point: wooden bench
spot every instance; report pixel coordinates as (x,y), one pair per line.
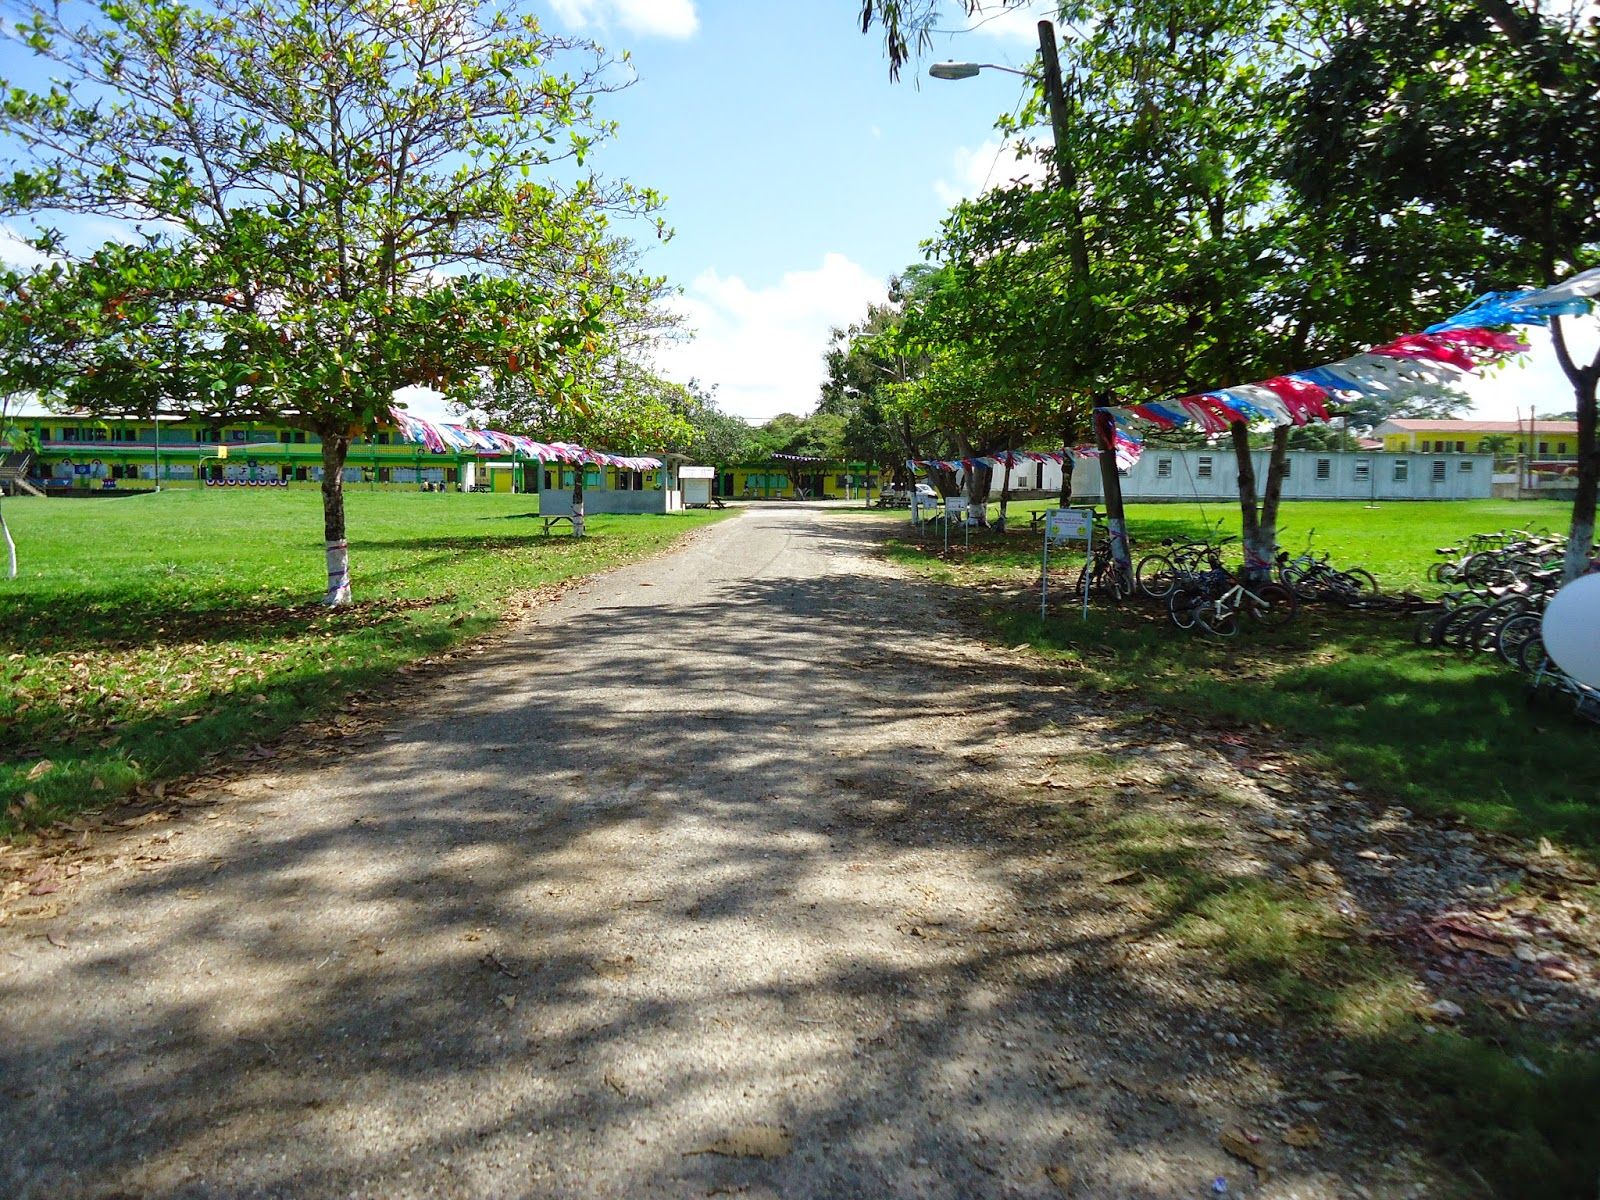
(549,521)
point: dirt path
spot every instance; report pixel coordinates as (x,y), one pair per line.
(721,877)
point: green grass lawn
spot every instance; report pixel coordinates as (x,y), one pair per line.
(148,636)
(1438,731)
(1435,730)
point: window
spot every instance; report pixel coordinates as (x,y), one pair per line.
(1426,445)
(1363,470)
(1465,466)
(1324,468)
(1561,447)
(841,481)
(1203,466)
(1163,468)
(300,437)
(1402,470)
(283,435)
(1438,470)
(1288,466)
(1544,447)
(1461,447)
(237,435)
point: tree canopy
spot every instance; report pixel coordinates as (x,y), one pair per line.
(330,199)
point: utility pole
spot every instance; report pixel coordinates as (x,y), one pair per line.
(1105,427)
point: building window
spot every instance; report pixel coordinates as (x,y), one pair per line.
(1465,465)
(1402,470)
(1461,447)
(1363,470)
(1426,445)
(1324,468)
(237,435)
(1544,447)
(1561,447)
(284,436)
(300,437)
(1163,468)
(1288,466)
(1438,470)
(1203,466)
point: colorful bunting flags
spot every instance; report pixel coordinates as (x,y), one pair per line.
(445,438)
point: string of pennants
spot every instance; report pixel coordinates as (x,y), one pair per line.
(444,438)
(1438,357)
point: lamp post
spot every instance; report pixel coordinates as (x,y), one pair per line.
(1078,246)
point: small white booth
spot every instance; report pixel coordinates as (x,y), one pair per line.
(695,484)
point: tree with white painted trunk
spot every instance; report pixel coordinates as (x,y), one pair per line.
(328,200)
(12,438)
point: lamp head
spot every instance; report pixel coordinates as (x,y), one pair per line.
(953,70)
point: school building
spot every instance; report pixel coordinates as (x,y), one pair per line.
(126,454)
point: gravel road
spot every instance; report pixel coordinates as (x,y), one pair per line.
(701,882)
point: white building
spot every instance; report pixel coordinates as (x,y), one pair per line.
(1209,473)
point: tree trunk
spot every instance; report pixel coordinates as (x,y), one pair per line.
(1005,489)
(1264,553)
(1069,435)
(1258,538)
(1580,537)
(577,501)
(11,547)
(335,449)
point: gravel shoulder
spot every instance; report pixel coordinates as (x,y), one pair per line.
(735,872)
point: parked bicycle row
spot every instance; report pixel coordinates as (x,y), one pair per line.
(1201,592)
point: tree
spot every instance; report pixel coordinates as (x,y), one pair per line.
(335,199)
(15,439)
(1487,112)
(1172,256)
(715,438)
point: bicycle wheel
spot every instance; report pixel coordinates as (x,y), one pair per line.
(1422,631)
(1181,606)
(1156,576)
(1454,625)
(1271,603)
(1531,658)
(1513,633)
(1358,579)
(1116,581)
(1217,619)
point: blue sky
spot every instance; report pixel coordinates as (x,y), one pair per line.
(799,178)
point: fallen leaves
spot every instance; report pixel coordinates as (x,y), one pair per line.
(1247,1147)
(1302,1137)
(750,1141)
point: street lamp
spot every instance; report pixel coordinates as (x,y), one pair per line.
(966,70)
(1056,97)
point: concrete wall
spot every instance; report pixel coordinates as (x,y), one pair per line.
(554,503)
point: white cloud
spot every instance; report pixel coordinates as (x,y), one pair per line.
(1013,22)
(976,169)
(658,18)
(15,251)
(1535,378)
(764,347)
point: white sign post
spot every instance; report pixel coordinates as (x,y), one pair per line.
(955,508)
(1067,525)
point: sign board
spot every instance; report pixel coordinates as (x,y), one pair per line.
(222,452)
(80,468)
(955,506)
(1069,524)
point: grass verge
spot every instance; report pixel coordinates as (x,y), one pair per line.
(1507,1105)
(151,635)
